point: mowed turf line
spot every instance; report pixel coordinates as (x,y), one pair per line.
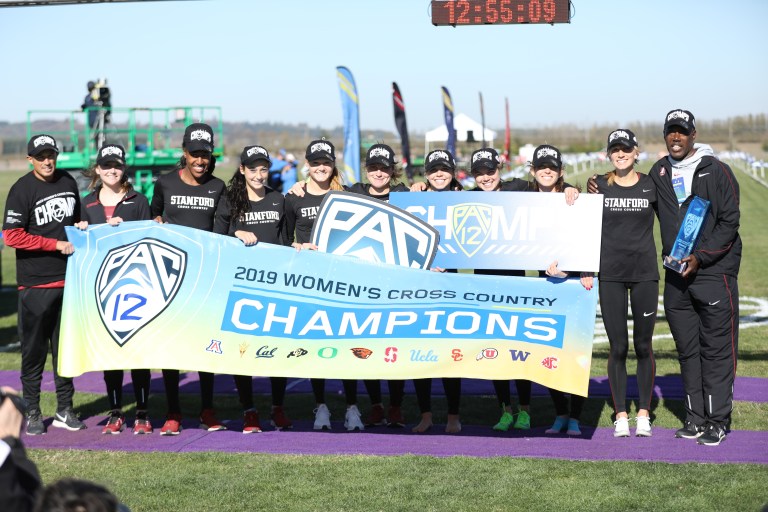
(202,481)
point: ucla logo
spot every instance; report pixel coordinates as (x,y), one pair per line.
(471,225)
(135,283)
(372,230)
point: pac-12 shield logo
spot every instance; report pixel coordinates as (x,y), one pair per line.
(471,226)
(691,223)
(135,283)
(372,230)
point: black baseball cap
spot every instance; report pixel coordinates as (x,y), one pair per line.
(622,137)
(485,158)
(380,154)
(198,137)
(253,154)
(439,157)
(682,118)
(321,148)
(546,154)
(111,153)
(39,143)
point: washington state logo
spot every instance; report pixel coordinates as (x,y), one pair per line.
(135,283)
(471,226)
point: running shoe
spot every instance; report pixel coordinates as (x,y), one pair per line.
(523,421)
(395,417)
(172,425)
(689,431)
(376,417)
(712,436)
(557,427)
(35,423)
(279,420)
(352,419)
(621,427)
(115,423)
(251,422)
(322,418)
(210,422)
(67,419)
(643,426)
(141,424)
(505,422)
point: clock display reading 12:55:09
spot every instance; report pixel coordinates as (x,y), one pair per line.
(493,12)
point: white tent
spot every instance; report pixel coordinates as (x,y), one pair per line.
(464,126)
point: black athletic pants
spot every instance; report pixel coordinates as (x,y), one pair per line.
(703,315)
(39,311)
(505,398)
(114,381)
(171,381)
(350,390)
(396,391)
(244,386)
(452,387)
(644,298)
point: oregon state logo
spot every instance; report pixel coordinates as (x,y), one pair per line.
(362,352)
(471,226)
(135,283)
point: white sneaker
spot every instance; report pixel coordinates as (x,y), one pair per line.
(643,426)
(352,419)
(622,427)
(322,418)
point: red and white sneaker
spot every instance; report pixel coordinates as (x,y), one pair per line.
(376,417)
(279,420)
(115,423)
(172,425)
(210,422)
(395,417)
(251,422)
(142,425)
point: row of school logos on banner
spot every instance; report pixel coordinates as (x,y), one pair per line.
(148,295)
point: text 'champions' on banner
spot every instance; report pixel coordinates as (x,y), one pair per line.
(149,295)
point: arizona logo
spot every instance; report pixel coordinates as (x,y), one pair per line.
(362,353)
(135,283)
(471,226)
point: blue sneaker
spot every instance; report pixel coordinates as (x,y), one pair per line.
(573,427)
(558,426)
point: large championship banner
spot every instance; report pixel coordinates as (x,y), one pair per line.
(510,230)
(149,295)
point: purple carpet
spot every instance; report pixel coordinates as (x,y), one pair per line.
(749,389)
(474,441)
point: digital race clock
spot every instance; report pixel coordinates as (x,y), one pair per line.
(496,12)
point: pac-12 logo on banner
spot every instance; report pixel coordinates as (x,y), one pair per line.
(135,283)
(373,230)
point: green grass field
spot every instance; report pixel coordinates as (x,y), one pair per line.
(223,482)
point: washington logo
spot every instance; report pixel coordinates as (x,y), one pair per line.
(135,283)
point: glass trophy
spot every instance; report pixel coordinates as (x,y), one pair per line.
(688,235)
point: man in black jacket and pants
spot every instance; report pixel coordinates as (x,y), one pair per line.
(702,303)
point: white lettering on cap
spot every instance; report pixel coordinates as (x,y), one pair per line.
(44,139)
(547,152)
(257,149)
(439,154)
(482,154)
(678,114)
(379,152)
(200,135)
(111,150)
(618,134)
(320,146)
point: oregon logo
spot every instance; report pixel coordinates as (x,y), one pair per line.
(135,283)
(471,226)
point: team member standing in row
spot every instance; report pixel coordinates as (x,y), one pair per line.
(38,207)
(113,201)
(188,196)
(300,215)
(254,213)
(627,236)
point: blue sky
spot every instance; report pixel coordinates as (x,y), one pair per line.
(274,60)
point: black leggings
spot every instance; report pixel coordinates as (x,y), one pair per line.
(396,391)
(452,387)
(644,298)
(350,390)
(171,381)
(244,386)
(561,404)
(114,381)
(504,397)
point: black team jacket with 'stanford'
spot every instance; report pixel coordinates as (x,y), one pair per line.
(719,247)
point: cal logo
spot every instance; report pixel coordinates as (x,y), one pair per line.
(471,226)
(372,230)
(135,283)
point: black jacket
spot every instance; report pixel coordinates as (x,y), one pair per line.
(719,247)
(133,206)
